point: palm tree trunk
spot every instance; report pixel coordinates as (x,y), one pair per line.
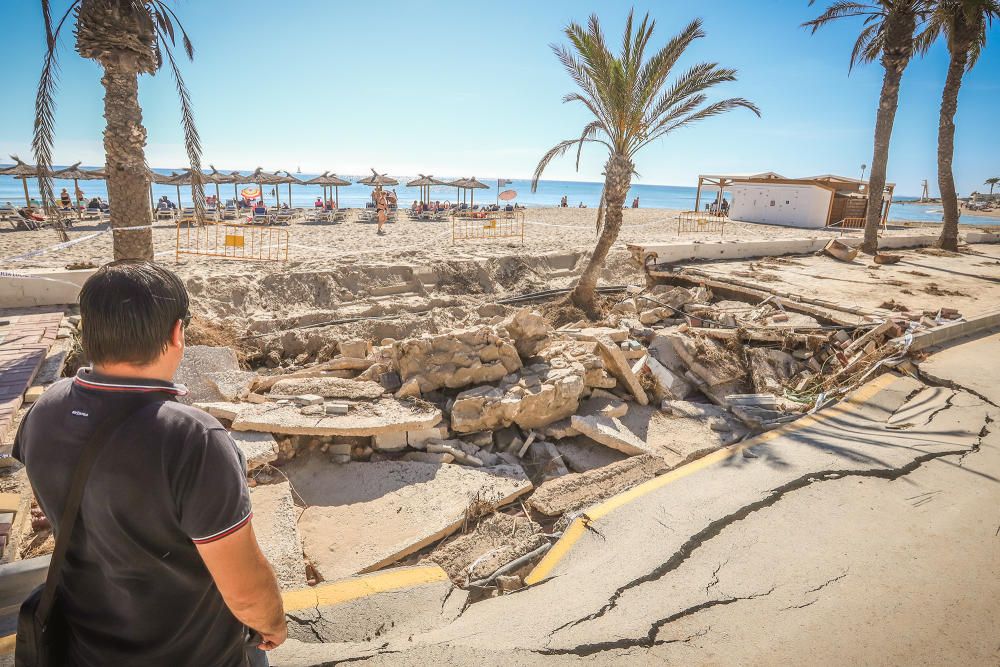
(946,145)
(618,178)
(880,159)
(124,147)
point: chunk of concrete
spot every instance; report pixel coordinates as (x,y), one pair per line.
(274,524)
(328,387)
(611,433)
(258,448)
(392,508)
(529,330)
(429,457)
(667,383)
(616,364)
(581,454)
(384,416)
(543,462)
(603,406)
(357,349)
(456,359)
(580,490)
(221,409)
(198,364)
(232,385)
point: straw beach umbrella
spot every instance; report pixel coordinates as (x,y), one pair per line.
(23,171)
(424,183)
(288,178)
(76,174)
(217,178)
(262,178)
(377,180)
(472,185)
(328,180)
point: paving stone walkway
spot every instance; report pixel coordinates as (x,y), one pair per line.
(25,339)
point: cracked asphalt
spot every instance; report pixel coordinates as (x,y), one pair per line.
(870,536)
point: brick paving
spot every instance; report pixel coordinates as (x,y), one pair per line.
(24,342)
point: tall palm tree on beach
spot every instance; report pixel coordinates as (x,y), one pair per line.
(888,34)
(991,182)
(126,38)
(964,24)
(632,107)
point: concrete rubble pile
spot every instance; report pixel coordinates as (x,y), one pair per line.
(576,414)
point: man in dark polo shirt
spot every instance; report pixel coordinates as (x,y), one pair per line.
(163,567)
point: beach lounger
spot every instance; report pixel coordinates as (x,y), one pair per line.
(260,217)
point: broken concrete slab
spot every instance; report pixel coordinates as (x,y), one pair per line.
(274,524)
(667,384)
(328,387)
(221,409)
(543,461)
(543,394)
(456,359)
(610,432)
(607,405)
(578,491)
(387,415)
(329,623)
(616,364)
(393,508)
(593,334)
(258,448)
(198,363)
(496,540)
(581,454)
(232,385)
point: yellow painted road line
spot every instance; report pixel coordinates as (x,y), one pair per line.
(579,526)
(335,592)
(345,590)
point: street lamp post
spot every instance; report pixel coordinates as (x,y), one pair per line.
(863,167)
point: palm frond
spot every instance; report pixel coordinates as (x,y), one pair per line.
(713,109)
(192,140)
(588,132)
(839,10)
(554,152)
(868,45)
(43,134)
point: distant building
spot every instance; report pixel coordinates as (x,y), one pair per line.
(814,201)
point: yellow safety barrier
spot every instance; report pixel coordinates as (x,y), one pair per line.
(233,241)
(467,226)
(694,221)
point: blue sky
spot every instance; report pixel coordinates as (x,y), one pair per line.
(471,88)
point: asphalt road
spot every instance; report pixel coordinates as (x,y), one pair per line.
(869,535)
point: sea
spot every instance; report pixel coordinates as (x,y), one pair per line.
(548,193)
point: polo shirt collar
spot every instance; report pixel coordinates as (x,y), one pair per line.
(88,378)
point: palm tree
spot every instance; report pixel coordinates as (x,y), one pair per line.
(964,24)
(888,34)
(632,107)
(127,38)
(991,182)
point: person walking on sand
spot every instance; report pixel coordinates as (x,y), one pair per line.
(381,204)
(163,567)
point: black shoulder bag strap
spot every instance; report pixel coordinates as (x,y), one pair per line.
(40,641)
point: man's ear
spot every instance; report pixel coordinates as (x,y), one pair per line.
(177,334)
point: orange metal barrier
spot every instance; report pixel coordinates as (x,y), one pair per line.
(850,223)
(694,221)
(487,225)
(233,241)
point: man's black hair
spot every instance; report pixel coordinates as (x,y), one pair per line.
(127,311)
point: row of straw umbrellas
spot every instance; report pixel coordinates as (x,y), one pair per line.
(259,177)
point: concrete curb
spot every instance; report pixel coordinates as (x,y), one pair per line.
(949,332)
(668,253)
(353,588)
(325,595)
(579,525)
